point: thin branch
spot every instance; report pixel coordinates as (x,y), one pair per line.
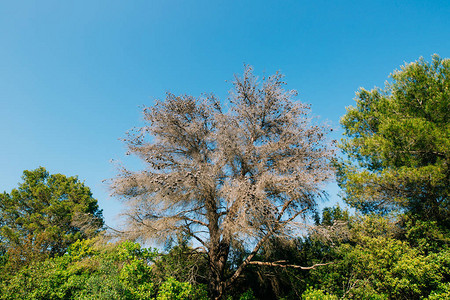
(113,229)
(247,260)
(194,221)
(195,209)
(275,264)
(294,216)
(190,233)
(201,250)
(285,206)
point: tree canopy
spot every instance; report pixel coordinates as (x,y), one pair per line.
(226,179)
(398,141)
(45,214)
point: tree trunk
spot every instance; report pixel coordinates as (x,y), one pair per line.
(218,251)
(218,256)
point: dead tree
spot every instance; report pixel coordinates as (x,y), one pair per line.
(225,177)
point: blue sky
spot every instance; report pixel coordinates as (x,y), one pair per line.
(73,74)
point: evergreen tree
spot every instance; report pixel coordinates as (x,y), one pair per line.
(46,214)
(398,142)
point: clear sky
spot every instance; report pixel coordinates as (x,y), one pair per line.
(73,74)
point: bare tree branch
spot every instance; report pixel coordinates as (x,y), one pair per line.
(274,264)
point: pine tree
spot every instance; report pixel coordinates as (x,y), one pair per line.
(226,179)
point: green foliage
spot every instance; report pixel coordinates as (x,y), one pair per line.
(89,271)
(425,235)
(312,294)
(248,295)
(172,289)
(330,215)
(182,263)
(136,274)
(45,214)
(398,142)
(101,282)
(442,293)
(379,263)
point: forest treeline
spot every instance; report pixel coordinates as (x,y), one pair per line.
(230,192)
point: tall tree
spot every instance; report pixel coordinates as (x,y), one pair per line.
(225,178)
(45,214)
(398,142)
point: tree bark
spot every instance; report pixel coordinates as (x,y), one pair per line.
(218,250)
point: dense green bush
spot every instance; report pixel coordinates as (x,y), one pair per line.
(379,262)
(121,271)
(312,294)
